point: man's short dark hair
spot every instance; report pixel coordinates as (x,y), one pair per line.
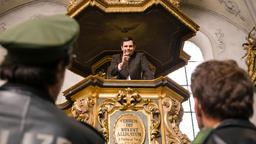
(40,75)
(223,89)
(127,39)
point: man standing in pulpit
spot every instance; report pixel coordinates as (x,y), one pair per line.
(130,65)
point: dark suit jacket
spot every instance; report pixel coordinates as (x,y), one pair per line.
(138,67)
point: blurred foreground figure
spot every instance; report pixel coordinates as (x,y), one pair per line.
(223,95)
(38,52)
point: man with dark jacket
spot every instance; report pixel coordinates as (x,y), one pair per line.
(130,65)
(38,52)
(223,95)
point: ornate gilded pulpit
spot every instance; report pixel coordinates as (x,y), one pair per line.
(129,111)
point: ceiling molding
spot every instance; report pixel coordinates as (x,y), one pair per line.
(7,7)
(196,7)
(252,9)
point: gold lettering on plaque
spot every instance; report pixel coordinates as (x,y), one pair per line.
(129,129)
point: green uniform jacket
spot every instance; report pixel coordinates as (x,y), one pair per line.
(230,131)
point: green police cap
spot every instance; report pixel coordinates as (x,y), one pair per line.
(39,41)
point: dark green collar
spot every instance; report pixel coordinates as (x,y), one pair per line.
(202,136)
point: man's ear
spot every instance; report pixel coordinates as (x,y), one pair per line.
(199,113)
(197,107)
(61,66)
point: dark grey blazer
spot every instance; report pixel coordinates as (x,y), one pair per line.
(138,68)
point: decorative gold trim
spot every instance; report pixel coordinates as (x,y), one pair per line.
(169,5)
(104,109)
(81,110)
(99,81)
(78,8)
(176,3)
(71,5)
(120,2)
(172,114)
(139,125)
(159,107)
(153,109)
(250,56)
(129,99)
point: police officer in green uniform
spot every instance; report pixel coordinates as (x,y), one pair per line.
(38,52)
(223,94)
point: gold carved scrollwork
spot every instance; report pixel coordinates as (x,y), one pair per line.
(153,110)
(129,99)
(176,3)
(123,1)
(250,56)
(125,99)
(173,112)
(71,5)
(105,108)
(82,109)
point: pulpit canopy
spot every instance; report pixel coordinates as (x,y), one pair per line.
(158,27)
